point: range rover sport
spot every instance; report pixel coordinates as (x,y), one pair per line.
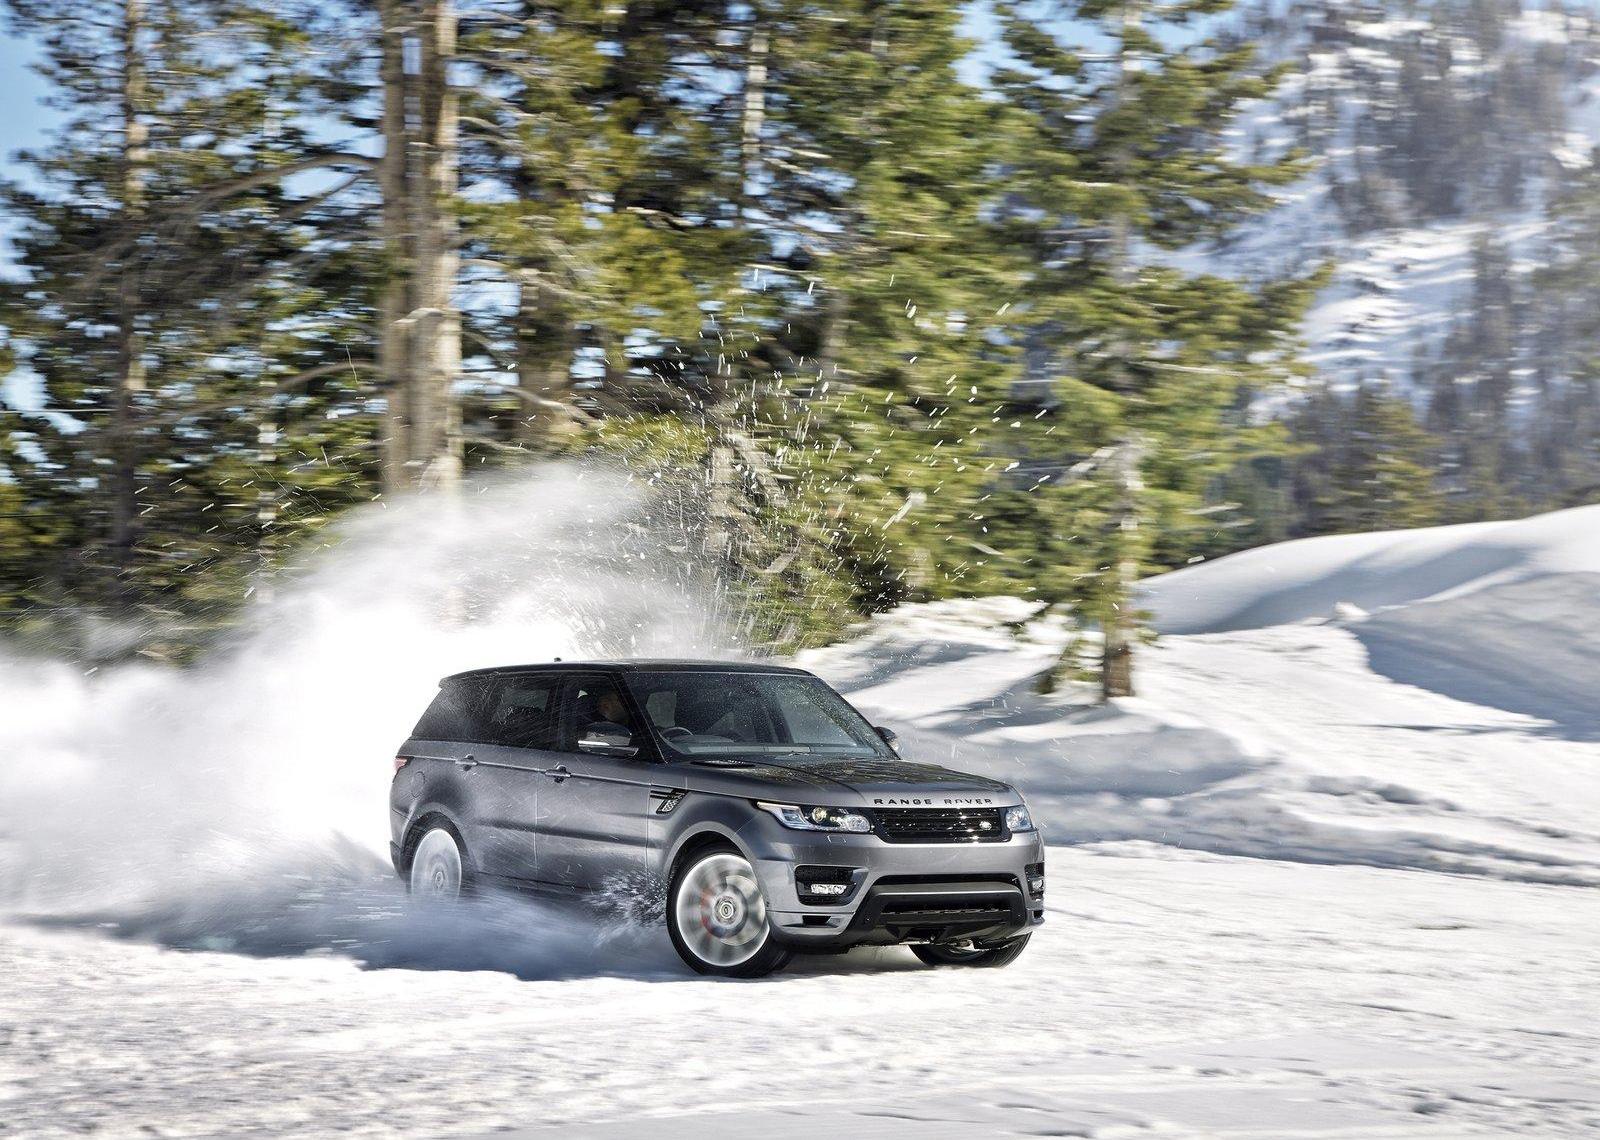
(778,820)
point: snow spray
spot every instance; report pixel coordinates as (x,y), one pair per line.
(242,803)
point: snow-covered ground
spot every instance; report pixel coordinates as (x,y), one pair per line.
(1330,874)
(1164,998)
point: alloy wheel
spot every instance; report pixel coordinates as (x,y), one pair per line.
(720,913)
(436,870)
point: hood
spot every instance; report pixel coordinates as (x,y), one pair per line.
(846,782)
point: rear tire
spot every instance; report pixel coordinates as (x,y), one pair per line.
(989,957)
(439,869)
(717,917)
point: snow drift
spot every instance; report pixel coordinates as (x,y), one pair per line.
(1504,614)
(1419,699)
(1307,579)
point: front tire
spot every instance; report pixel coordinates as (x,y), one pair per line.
(438,867)
(717,917)
(967,954)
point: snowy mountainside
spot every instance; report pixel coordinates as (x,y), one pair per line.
(1429,136)
(1452,729)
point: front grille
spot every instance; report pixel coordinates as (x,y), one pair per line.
(941,825)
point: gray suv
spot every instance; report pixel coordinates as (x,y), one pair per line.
(776,819)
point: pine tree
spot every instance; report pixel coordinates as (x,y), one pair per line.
(781,208)
(163,292)
(601,193)
(1140,373)
(1473,382)
(1565,309)
(1381,475)
(875,297)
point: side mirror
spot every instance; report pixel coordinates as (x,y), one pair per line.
(605,738)
(890,737)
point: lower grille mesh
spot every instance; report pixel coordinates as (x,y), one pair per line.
(941,825)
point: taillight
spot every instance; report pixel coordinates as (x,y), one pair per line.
(400,762)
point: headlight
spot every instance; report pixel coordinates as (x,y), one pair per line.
(1018,819)
(818,818)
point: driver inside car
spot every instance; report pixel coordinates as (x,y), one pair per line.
(610,707)
(607,714)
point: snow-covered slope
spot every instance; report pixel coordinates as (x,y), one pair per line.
(1505,614)
(1453,729)
(1404,253)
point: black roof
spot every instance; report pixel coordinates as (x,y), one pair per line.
(638,665)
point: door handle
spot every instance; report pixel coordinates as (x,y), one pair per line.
(466,763)
(558,773)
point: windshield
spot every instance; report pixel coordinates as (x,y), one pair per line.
(706,714)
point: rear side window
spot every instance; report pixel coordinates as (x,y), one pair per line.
(454,713)
(522,710)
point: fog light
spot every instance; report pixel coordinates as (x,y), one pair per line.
(822,885)
(1036,880)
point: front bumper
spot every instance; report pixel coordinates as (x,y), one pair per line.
(901,892)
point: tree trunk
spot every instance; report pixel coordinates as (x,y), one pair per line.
(394,349)
(420,342)
(123,444)
(1117,626)
(836,307)
(755,110)
(1116,663)
(438,427)
(544,363)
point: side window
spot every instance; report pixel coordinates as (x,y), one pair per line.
(521,711)
(594,703)
(661,707)
(454,713)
